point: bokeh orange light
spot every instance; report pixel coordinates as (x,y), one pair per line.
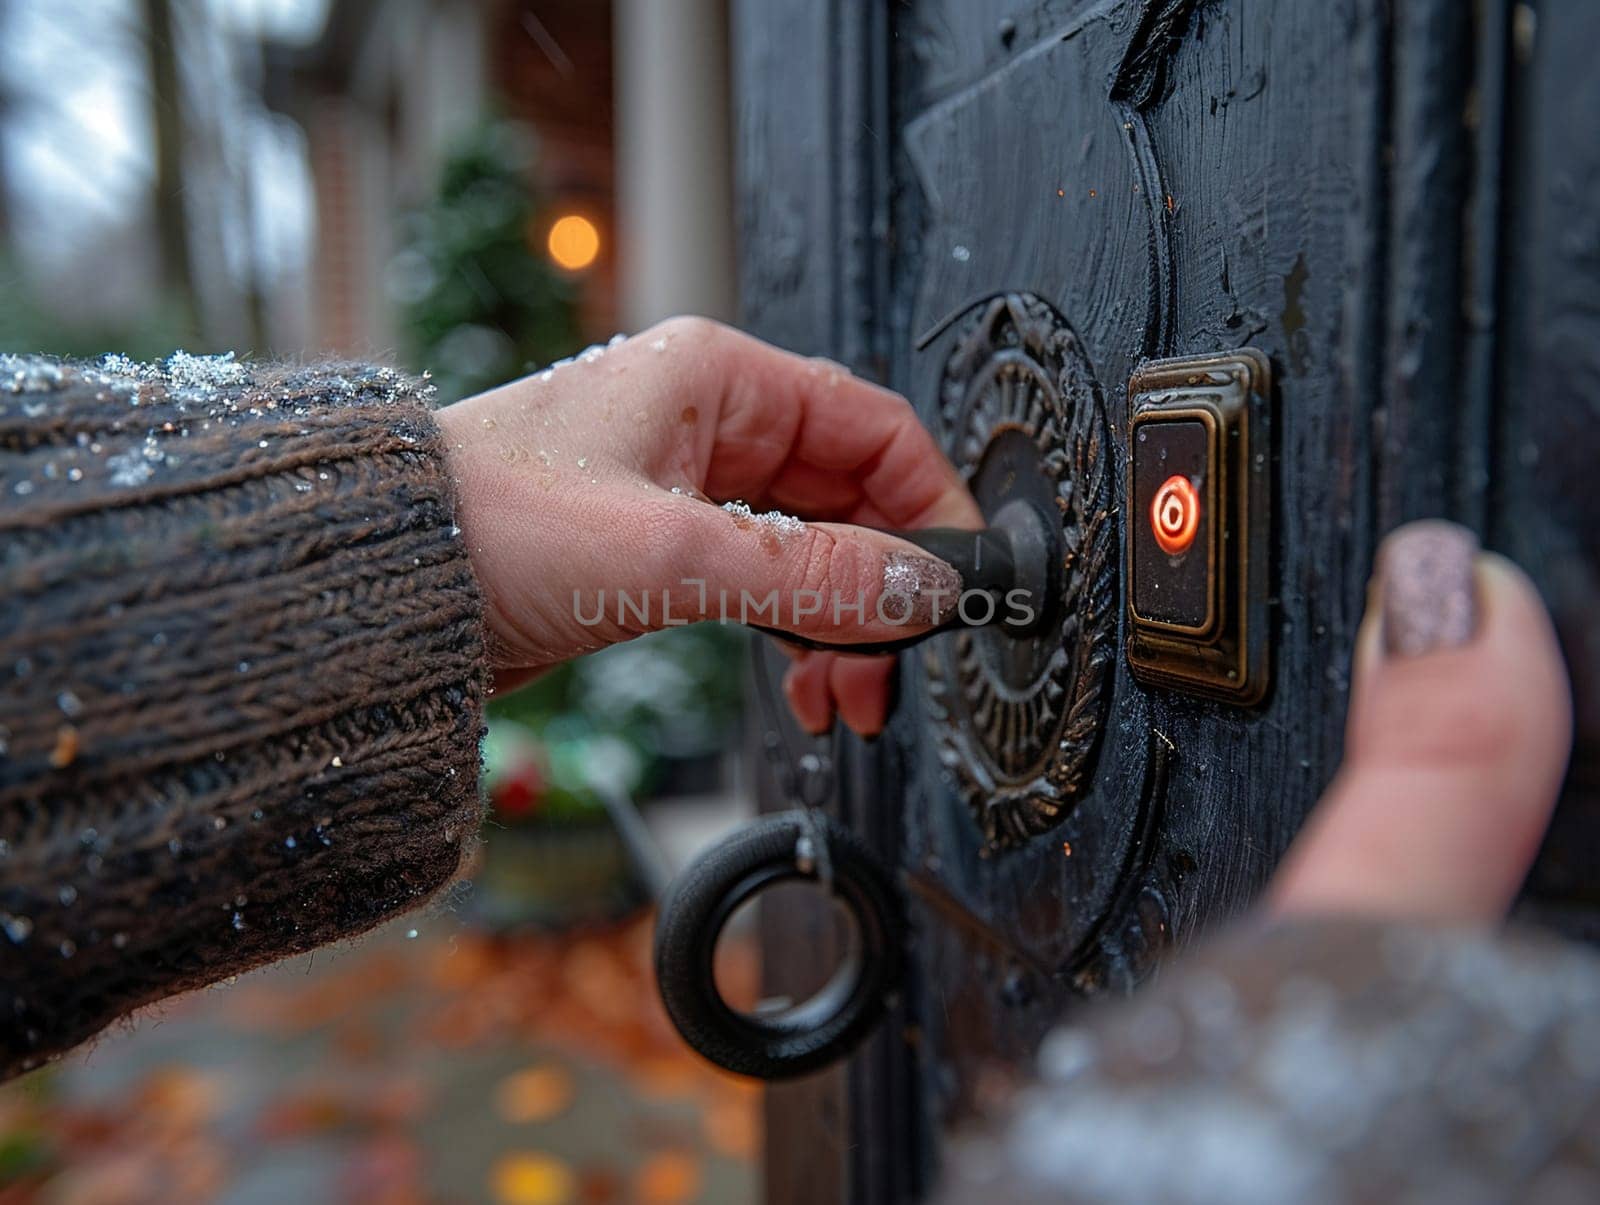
(574,242)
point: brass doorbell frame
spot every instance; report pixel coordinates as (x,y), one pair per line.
(1222,652)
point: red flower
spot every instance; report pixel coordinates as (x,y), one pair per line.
(519,792)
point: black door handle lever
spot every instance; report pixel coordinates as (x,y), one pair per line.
(1011,561)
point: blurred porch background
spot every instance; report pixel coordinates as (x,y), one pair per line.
(240,172)
(473,188)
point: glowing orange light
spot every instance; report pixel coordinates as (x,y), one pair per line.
(1175,515)
(574,242)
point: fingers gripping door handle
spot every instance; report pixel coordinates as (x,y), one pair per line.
(1020,551)
(1011,561)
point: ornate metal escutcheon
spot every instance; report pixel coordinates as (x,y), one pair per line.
(1019,720)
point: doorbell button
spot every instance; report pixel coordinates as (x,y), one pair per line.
(1172,581)
(1175,515)
(1198,501)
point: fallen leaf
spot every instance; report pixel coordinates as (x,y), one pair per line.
(666,1077)
(387,1170)
(599,1186)
(180,1098)
(536,1094)
(668,1179)
(531,1178)
(730,1128)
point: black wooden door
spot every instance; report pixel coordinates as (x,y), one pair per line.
(1002,208)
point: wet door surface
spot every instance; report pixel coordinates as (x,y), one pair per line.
(1004,209)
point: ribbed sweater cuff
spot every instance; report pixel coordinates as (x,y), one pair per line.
(241,676)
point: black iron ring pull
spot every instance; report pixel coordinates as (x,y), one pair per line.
(809,1036)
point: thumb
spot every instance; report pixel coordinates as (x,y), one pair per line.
(1458,735)
(832,582)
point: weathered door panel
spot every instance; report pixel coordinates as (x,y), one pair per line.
(1002,208)
(1134,169)
(1545,370)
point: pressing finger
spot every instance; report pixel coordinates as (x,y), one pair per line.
(1456,743)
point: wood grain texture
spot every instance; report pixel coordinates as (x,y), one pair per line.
(812,200)
(1168,197)
(1396,204)
(1546,512)
(790,286)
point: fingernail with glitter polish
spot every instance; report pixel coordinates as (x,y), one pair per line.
(1430,596)
(931,588)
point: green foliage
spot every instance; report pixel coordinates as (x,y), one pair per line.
(478,304)
(23,1154)
(676,693)
(28,1151)
(26,326)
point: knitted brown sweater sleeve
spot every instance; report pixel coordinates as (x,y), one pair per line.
(241,676)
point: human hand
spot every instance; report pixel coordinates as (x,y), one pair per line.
(1356,1049)
(1458,735)
(601,476)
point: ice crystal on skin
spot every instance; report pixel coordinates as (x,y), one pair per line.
(930,587)
(587,356)
(901,576)
(774,521)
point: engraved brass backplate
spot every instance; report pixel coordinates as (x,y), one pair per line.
(1019,720)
